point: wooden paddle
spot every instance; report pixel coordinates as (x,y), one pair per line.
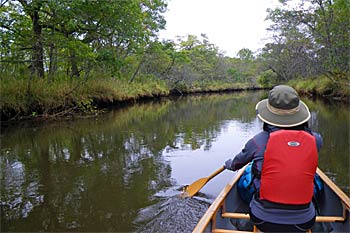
(193,188)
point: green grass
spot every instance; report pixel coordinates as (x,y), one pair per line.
(323,86)
(20,98)
(39,97)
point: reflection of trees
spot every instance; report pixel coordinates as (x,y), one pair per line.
(86,178)
(95,174)
(199,119)
(333,122)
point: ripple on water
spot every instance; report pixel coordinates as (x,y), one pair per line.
(174,214)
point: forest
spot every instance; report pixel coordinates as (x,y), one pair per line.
(63,57)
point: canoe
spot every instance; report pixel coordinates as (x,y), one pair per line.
(228,213)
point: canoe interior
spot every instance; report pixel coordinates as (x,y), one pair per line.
(329,204)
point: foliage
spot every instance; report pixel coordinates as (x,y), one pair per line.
(310,38)
(109,51)
(79,38)
(267,78)
(245,54)
(321,86)
(71,36)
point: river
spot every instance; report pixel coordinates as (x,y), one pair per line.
(123,171)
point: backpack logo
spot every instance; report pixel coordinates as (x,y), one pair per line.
(293,143)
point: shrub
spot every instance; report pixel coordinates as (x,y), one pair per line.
(267,78)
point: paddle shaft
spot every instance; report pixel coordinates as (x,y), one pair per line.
(221,169)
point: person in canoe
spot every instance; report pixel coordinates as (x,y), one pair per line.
(284,159)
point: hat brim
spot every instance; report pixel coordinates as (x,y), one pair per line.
(291,120)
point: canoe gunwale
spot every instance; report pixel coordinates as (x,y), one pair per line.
(342,196)
(218,202)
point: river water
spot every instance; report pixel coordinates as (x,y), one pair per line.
(124,171)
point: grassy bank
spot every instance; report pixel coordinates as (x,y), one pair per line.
(338,89)
(20,99)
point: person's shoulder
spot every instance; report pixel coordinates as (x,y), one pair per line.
(262,134)
(260,138)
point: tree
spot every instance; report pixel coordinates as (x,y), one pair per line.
(309,39)
(198,60)
(74,34)
(267,78)
(245,54)
(31,38)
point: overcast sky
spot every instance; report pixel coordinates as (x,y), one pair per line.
(229,24)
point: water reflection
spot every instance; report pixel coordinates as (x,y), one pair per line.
(333,122)
(106,173)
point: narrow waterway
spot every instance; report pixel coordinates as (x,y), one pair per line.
(123,171)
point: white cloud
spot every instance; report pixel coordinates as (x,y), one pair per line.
(229,24)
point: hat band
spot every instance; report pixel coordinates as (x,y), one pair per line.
(279,111)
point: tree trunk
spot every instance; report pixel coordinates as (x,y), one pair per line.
(166,71)
(53,62)
(327,13)
(137,70)
(72,59)
(74,65)
(38,51)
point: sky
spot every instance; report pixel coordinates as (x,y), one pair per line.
(229,24)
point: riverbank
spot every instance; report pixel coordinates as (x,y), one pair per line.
(39,99)
(325,87)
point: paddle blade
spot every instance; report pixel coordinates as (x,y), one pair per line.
(193,188)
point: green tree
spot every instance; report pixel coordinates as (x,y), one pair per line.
(70,36)
(267,78)
(245,54)
(310,38)
(236,75)
(198,60)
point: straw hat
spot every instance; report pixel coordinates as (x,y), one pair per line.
(283,108)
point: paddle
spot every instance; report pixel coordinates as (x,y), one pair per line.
(193,188)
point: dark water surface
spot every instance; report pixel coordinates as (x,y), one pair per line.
(122,172)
